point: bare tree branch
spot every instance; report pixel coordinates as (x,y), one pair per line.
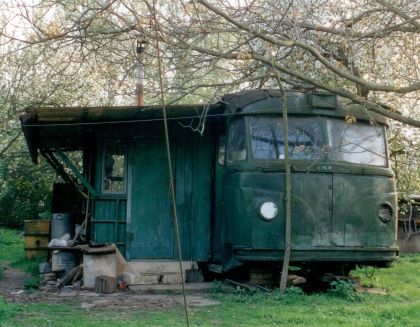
(291,43)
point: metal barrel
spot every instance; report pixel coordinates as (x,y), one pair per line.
(63,260)
(37,233)
(60,225)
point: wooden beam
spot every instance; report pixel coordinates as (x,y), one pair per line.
(76,171)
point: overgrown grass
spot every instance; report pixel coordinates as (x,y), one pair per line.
(402,280)
(7,310)
(12,251)
(11,245)
(399,307)
(235,310)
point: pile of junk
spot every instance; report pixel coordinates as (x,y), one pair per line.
(71,261)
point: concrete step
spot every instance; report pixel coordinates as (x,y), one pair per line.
(158,266)
(177,288)
(149,272)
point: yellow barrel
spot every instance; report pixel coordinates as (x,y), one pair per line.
(37,234)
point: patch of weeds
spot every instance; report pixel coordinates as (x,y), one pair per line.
(292,294)
(241,291)
(294,290)
(217,287)
(367,274)
(11,244)
(32,283)
(245,296)
(344,289)
(30,266)
(412,258)
(7,310)
(242,295)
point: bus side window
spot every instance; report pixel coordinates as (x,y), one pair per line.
(221,150)
(237,145)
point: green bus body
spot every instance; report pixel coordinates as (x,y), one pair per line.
(343,194)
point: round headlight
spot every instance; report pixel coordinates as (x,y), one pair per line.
(385,213)
(268,210)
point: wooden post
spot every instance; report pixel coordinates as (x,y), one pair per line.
(288,193)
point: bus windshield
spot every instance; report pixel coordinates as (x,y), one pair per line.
(267,138)
(356,143)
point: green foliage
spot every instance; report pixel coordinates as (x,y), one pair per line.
(404,144)
(11,245)
(344,289)
(294,290)
(11,251)
(339,307)
(7,310)
(367,275)
(400,307)
(25,188)
(217,287)
(32,283)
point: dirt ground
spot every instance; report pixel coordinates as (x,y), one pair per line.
(123,300)
(12,280)
(12,289)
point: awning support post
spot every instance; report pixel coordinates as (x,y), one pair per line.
(76,171)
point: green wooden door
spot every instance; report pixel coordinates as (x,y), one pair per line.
(152,234)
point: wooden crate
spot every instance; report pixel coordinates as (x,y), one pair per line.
(105,284)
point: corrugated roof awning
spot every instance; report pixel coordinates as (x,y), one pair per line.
(67,127)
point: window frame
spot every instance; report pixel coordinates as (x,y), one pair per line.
(125,167)
(322,134)
(324,158)
(228,143)
(384,139)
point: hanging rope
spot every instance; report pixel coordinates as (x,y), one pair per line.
(168,151)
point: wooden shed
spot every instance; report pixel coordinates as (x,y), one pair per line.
(123,173)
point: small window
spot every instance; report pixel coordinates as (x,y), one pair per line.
(114,167)
(237,141)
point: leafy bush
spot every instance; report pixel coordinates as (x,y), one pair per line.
(367,276)
(25,188)
(344,289)
(32,283)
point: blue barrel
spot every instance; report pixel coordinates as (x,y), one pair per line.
(60,225)
(63,261)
